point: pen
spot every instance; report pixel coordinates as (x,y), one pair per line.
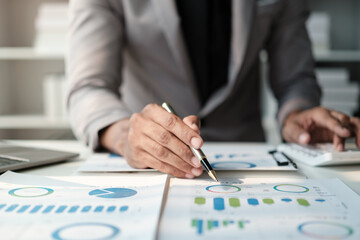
(198,153)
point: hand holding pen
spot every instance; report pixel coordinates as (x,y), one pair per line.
(198,153)
(156,139)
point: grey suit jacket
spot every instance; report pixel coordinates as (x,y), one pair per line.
(124,54)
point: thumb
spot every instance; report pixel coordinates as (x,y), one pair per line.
(295,133)
(193,122)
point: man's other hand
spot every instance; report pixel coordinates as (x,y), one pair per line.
(318,125)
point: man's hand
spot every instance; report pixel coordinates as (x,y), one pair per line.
(157,139)
(321,125)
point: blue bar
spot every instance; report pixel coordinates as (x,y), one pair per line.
(286,200)
(253,201)
(86,209)
(2,206)
(215,223)
(124,208)
(200,226)
(11,208)
(99,208)
(73,209)
(48,209)
(217,156)
(23,208)
(219,204)
(111,209)
(36,209)
(113,155)
(61,209)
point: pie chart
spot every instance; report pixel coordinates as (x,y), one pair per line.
(113,192)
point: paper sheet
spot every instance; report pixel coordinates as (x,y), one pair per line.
(220,158)
(260,209)
(118,208)
(107,162)
(246,160)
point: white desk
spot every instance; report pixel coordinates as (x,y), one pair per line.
(350,175)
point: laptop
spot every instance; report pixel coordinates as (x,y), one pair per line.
(15,157)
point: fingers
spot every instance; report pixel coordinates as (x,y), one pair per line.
(193,122)
(174,125)
(163,137)
(158,157)
(339,143)
(334,121)
(355,123)
(160,140)
(293,132)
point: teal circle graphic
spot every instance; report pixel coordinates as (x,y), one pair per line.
(226,188)
(114,230)
(309,229)
(301,189)
(14,194)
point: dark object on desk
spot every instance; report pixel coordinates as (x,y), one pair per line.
(15,157)
(281,159)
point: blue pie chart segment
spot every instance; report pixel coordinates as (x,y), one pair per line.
(113,192)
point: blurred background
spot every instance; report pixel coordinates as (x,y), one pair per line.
(33,83)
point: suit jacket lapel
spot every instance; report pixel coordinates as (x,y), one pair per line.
(242,20)
(170,23)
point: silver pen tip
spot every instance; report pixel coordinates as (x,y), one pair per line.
(212,174)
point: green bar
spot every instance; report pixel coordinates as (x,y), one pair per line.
(225,223)
(234,202)
(200,200)
(241,224)
(303,202)
(209,225)
(193,222)
(268,201)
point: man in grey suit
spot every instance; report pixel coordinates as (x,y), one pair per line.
(128,56)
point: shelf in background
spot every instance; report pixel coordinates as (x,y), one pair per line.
(27,53)
(32,122)
(338,56)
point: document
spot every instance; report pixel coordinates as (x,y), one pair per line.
(107,208)
(108,162)
(221,157)
(260,209)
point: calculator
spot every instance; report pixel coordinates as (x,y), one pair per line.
(320,154)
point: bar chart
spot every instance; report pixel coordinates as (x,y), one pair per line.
(61,209)
(221,203)
(202,225)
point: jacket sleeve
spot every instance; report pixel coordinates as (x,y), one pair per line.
(291,75)
(94,67)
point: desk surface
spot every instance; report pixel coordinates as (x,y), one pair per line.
(350,175)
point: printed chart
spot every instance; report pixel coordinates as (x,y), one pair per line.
(110,211)
(261,209)
(246,160)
